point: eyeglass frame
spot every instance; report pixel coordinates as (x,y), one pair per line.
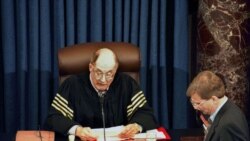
(99,74)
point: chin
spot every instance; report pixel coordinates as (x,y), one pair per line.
(102,88)
(205,113)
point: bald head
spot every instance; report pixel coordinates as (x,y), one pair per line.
(105,59)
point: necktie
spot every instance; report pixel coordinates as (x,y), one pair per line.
(206,125)
(101,93)
(206,132)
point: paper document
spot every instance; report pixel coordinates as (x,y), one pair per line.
(113,132)
(109,132)
(156,135)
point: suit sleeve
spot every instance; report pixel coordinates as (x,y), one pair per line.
(233,132)
(138,110)
(61,113)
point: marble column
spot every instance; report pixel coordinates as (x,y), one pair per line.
(223,44)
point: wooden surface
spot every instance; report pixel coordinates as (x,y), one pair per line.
(35,135)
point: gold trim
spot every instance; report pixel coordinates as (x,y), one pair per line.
(53,105)
(140,92)
(63,108)
(136,98)
(63,104)
(63,99)
(140,104)
(57,108)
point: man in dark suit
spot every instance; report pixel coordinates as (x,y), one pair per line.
(225,121)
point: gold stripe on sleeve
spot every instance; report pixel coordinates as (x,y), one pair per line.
(140,92)
(62,108)
(61,111)
(63,104)
(58,109)
(138,105)
(63,99)
(137,101)
(137,97)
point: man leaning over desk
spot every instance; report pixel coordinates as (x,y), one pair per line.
(222,119)
(76,106)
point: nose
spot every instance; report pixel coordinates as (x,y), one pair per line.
(103,79)
(196,107)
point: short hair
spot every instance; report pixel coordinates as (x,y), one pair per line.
(206,84)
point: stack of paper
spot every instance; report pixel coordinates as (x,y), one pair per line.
(111,135)
(113,132)
(156,135)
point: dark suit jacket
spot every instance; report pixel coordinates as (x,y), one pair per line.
(229,125)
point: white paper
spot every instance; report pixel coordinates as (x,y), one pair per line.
(109,132)
(112,133)
(158,135)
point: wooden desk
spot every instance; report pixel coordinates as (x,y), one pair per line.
(195,134)
(35,135)
(176,135)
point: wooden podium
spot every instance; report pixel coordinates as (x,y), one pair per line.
(35,135)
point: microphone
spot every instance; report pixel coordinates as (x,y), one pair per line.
(101,95)
(40,134)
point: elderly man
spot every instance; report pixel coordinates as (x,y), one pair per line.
(225,122)
(76,107)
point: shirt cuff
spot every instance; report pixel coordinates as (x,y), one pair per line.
(72,130)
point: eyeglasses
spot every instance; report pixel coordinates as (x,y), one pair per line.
(99,75)
(195,104)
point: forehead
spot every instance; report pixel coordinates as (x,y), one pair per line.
(104,69)
(195,97)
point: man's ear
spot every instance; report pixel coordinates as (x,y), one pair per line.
(91,67)
(215,98)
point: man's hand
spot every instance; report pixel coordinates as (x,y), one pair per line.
(85,133)
(130,130)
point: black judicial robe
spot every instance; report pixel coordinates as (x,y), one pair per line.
(77,103)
